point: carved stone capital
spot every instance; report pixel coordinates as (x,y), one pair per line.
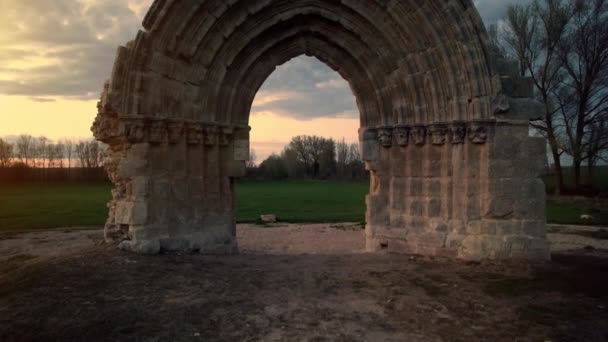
(438,133)
(458,132)
(418,133)
(385,136)
(135,130)
(402,133)
(157,132)
(226,134)
(479,131)
(194,134)
(211,136)
(174,132)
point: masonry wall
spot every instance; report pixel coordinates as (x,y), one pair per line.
(470,200)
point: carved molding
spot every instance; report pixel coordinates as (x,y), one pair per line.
(194,135)
(159,131)
(419,135)
(385,136)
(438,133)
(479,131)
(402,133)
(458,132)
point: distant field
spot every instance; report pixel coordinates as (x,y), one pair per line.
(302,201)
(31,207)
(25,207)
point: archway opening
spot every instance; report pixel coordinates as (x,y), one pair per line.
(305,170)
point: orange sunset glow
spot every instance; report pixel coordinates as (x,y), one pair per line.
(49,83)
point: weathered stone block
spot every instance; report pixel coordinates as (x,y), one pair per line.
(508,227)
(434,207)
(536,229)
(131,213)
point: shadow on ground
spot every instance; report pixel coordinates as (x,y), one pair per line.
(102,294)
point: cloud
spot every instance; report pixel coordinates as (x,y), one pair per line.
(305,88)
(62,48)
(42,99)
(493,10)
(65,48)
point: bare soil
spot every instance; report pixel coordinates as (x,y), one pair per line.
(297,282)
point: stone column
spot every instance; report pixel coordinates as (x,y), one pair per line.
(472,190)
(173,184)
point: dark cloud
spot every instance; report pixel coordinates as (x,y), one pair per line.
(69,44)
(493,10)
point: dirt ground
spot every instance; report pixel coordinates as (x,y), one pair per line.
(298,282)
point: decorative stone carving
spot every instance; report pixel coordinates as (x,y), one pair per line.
(211,136)
(458,132)
(226,135)
(174,132)
(135,131)
(402,134)
(418,134)
(158,132)
(478,131)
(385,136)
(439,133)
(194,134)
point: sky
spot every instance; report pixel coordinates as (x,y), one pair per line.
(56,54)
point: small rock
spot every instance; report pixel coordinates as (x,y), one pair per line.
(125,245)
(269,218)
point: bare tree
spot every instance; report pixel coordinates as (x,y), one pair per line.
(354,154)
(534,34)
(6,153)
(58,153)
(25,147)
(68,151)
(584,95)
(40,152)
(82,153)
(597,146)
(520,35)
(342,154)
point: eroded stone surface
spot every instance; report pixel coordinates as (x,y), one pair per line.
(444,128)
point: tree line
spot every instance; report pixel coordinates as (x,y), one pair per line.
(562,45)
(29,158)
(311,157)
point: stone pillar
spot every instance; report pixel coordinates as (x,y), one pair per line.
(173,183)
(462,189)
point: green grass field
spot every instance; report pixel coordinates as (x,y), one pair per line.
(302,201)
(33,207)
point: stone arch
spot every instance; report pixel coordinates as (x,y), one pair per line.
(444,128)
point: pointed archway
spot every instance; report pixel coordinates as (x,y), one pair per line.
(444,123)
